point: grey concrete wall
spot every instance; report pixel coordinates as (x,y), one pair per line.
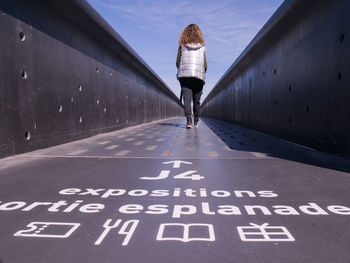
(65,74)
(293,79)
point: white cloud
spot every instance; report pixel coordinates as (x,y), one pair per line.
(228,27)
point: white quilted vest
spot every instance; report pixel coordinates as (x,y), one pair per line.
(192,62)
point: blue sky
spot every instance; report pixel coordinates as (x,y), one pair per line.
(152,29)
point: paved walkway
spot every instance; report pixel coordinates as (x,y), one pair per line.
(160,193)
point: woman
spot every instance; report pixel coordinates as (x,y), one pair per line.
(192,65)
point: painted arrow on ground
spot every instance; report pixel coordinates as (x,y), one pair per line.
(177,163)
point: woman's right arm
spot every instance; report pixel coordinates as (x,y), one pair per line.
(178,57)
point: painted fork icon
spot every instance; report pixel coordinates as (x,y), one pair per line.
(108,227)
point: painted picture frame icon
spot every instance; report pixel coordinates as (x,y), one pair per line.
(48,230)
(264,233)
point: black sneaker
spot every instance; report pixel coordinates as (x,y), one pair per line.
(188,126)
(196,123)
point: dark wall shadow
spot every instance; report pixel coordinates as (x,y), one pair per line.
(243,139)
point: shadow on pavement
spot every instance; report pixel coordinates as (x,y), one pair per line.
(243,139)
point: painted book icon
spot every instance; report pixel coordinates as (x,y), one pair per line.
(186,232)
(48,229)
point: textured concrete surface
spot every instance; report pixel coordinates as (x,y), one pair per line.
(67,75)
(292,79)
(160,193)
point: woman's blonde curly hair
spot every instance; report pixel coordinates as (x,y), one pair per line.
(191,34)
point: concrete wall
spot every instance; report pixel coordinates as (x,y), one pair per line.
(65,74)
(293,80)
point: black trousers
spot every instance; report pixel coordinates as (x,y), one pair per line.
(191,90)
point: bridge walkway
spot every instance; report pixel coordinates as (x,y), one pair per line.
(158,192)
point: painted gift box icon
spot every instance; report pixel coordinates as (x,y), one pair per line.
(264,233)
(48,229)
(186,232)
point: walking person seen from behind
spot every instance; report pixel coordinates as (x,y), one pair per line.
(192,65)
